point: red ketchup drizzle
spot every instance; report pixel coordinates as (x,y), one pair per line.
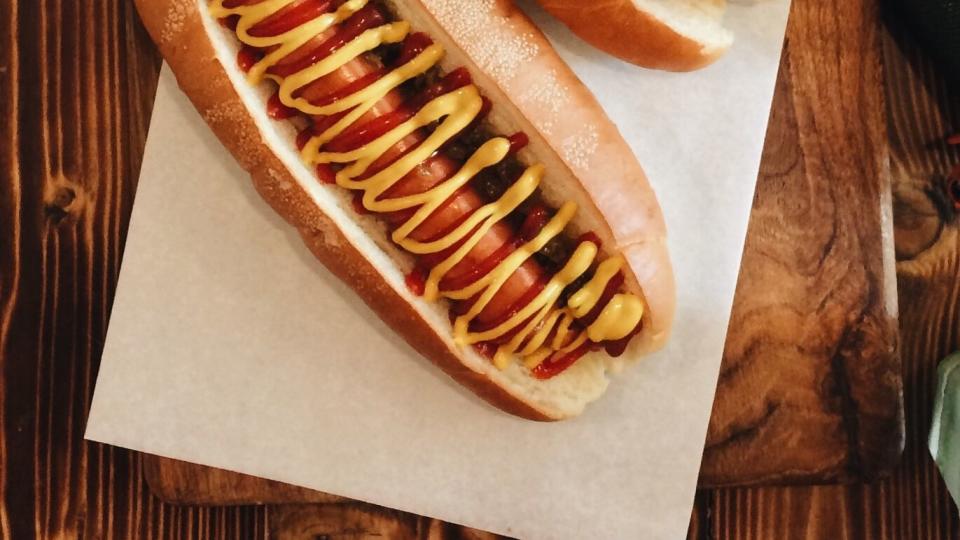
(357,136)
(616,348)
(396,218)
(463,306)
(485,349)
(417,281)
(524,300)
(429,260)
(323,123)
(230,22)
(291,17)
(454,223)
(304,137)
(479,270)
(277,110)
(358,203)
(611,289)
(365,19)
(413,45)
(536,220)
(485,108)
(558,363)
(592,238)
(327,174)
(518,141)
(248,57)
(350,89)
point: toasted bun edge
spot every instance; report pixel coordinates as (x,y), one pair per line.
(620,28)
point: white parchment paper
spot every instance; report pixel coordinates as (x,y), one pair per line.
(230,346)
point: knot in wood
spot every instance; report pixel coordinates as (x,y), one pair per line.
(61,200)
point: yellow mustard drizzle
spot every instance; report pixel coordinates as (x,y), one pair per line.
(454,111)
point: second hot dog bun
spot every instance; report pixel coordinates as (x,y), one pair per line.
(675,35)
(587,160)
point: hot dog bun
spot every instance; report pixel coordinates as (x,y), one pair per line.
(675,35)
(587,160)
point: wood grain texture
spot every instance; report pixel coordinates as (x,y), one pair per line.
(822,187)
(76,87)
(357,521)
(811,368)
(180,482)
(912,504)
(811,365)
(290,514)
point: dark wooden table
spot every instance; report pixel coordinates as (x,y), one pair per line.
(76,89)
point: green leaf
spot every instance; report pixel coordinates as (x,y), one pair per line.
(945,432)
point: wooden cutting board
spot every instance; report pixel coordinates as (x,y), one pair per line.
(810,388)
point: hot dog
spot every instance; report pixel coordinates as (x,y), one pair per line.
(503,228)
